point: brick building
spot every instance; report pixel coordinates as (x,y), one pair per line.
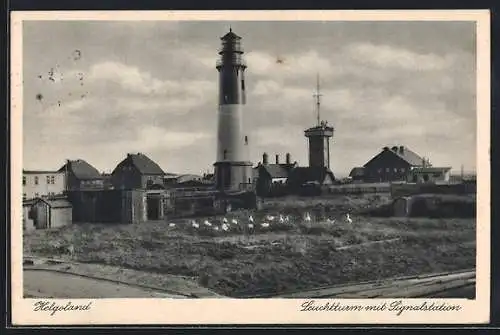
(137,171)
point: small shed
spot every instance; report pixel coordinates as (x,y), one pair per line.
(28,223)
(52,213)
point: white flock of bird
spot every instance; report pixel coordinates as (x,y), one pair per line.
(226,224)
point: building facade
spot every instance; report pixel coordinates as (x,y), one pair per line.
(429,174)
(272,179)
(401,164)
(137,171)
(80,175)
(42,183)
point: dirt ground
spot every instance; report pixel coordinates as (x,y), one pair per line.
(284,256)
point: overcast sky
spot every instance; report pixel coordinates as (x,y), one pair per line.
(151,87)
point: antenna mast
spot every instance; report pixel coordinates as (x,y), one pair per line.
(317,95)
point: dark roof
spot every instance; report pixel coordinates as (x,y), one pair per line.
(81,169)
(407,155)
(142,163)
(55,203)
(302,175)
(357,172)
(276,170)
(230,36)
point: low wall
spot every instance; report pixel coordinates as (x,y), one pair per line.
(404,190)
(435,206)
(358,188)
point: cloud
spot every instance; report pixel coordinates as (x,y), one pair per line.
(153,88)
(385,56)
(306,63)
(134,80)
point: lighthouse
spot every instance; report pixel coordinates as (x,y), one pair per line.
(233,170)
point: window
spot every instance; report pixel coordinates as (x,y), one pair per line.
(402,170)
(48,179)
(395,170)
(24,196)
(242,84)
(52,180)
(36,180)
(387,170)
(36,194)
(24,180)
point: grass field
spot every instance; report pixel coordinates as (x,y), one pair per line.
(283,257)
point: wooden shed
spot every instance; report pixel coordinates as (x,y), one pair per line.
(28,223)
(52,213)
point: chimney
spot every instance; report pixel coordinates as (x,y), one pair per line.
(277,159)
(423,161)
(395,149)
(264,159)
(385,148)
(402,150)
(288,159)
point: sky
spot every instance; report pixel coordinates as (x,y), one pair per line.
(97,90)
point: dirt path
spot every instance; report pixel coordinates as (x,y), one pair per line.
(44,283)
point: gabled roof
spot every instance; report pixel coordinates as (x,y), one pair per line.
(142,163)
(81,169)
(55,203)
(406,154)
(357,172)
(302,175)
(276,170)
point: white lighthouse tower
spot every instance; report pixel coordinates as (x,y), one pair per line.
(233,170)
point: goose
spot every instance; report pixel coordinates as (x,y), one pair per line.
(171,224)
(250,219)
(330,220)
(282,219)
(224,220)
(194,224)
(234,221)
(264,225)
(206,223)
(225,227)
(270,217)
(307,217)
(348,218)
(250,225)
(216,228)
